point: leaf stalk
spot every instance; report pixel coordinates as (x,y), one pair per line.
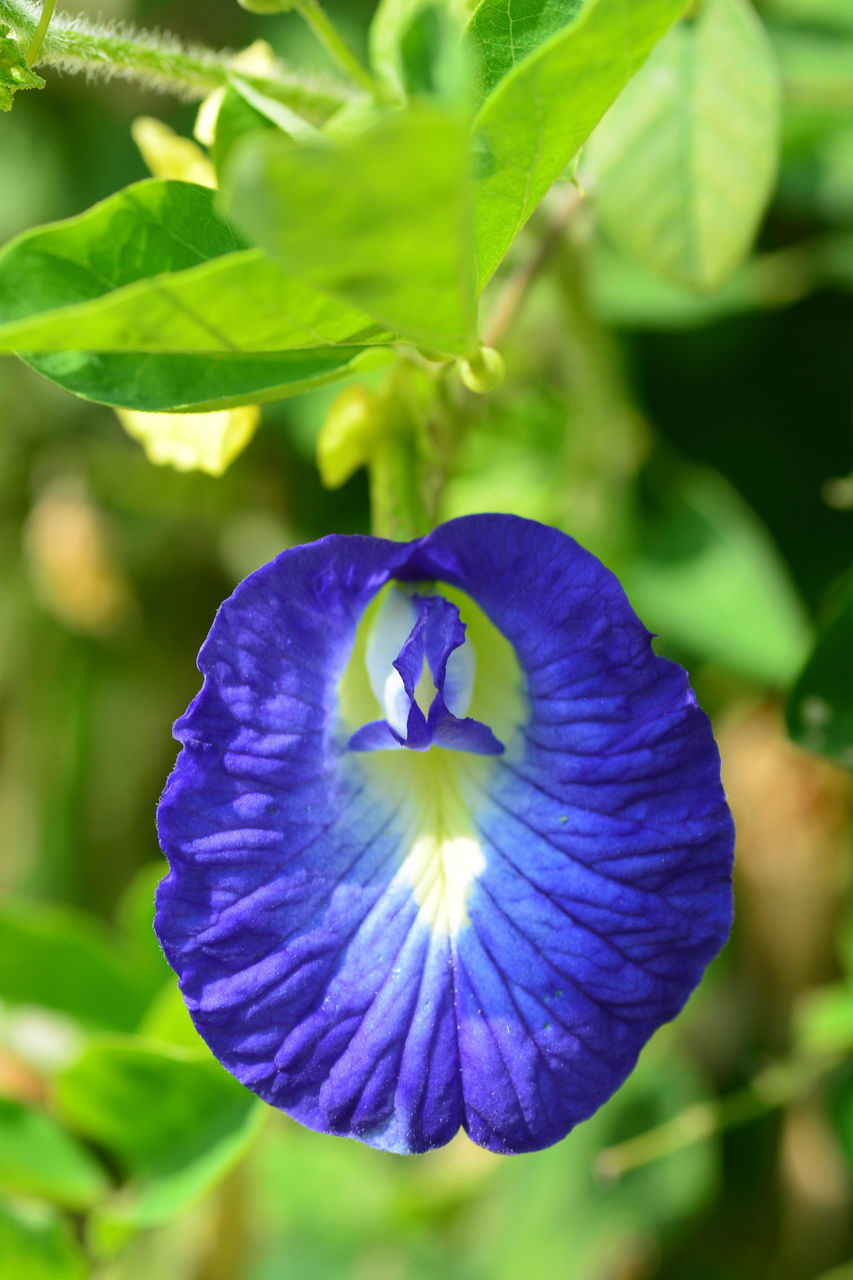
(337,48)
(41,31)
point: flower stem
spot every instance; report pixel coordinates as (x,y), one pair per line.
(41,31)
(520,283)
(159,61)
(337,48)
(773,1087)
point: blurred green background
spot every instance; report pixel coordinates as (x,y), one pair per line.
(703,447)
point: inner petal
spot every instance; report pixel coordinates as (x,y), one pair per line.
(391,629)
(414,665)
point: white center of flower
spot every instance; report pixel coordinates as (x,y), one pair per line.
(442,851)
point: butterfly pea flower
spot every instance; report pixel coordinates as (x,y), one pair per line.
(447,839)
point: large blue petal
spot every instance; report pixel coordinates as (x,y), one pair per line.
(323,950)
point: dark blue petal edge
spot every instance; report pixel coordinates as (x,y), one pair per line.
(389,944)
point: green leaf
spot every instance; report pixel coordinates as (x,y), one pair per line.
(35,1244)
(820,707)
(194,384)
(240,303)
(40,1159)
(380,221)
(174,1120)
(156,269)
(683,164)
(708,578)
(533,123)
(15,73)
(66,961)
(505,32)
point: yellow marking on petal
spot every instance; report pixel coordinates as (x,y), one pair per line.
(443,870)
(441,852)
(193,441)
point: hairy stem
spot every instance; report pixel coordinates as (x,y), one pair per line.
(160,61)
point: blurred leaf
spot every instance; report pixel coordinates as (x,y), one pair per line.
(819,13)
(400,33)
(323,1203)
(533,123)
(135,919)
(174,1120)
(15,72)
(708,577)
(38,1158)
(505,32)
(276,113)
(417,49)
(200,384)
(36,1245)
(824,1019)
(168,1021)
(844,1272)
(64,960)
(591,1225)
(380,221)
(628,294)
(683,164)
(820,707)
(155,268)
(234,120)
(840,1100)
(817,74)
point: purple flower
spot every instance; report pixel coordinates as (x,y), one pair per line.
(424,877)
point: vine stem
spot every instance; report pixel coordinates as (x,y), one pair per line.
(775,1086)
(329,36)
(159,60)
(41,31)
(519,284)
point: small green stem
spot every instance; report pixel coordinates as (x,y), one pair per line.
(160,61)
(399,470)
(395,507)
(773,1087)
(518,286)
(340,52)
(41,31)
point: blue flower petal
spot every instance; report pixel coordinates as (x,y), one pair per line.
(393,944)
